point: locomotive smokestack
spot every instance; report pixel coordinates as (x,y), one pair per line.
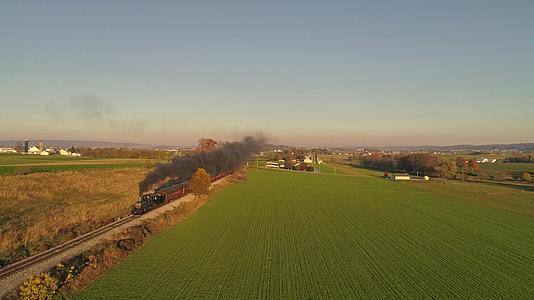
(225,158)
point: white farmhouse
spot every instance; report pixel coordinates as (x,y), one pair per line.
(44,153)
(34,150)
(64,152)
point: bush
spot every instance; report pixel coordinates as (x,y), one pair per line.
(41,286)
(200,182)
(527,177)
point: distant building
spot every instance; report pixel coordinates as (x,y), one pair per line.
(64,152)
(7,150)
(400,176)
(26,146)
(34,150)
(51,151)
(272,165)
(44,153)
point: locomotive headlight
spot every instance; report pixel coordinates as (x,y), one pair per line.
(138,205)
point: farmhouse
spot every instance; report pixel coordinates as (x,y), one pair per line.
(44,153)
(64,152)
(34,150)
(7,150)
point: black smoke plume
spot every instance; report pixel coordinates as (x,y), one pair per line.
(226,157)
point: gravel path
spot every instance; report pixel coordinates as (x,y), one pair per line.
(11,282)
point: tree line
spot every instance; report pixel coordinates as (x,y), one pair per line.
(520,158)
(126,153)
(421,163)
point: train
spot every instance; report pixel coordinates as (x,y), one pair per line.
(166,194)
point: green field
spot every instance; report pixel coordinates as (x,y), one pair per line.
(16,159)
(344,169)
(17,163)
(300,235)
(510,167)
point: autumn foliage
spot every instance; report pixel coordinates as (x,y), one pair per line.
(474,166)
(206,144)
(200,182)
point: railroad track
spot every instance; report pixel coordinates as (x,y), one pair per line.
(9,274)
(43,256)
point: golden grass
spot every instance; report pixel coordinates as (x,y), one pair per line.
(41,210)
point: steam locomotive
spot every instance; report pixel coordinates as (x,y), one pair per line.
(166,194)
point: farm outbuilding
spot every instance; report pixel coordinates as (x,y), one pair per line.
(401,176)
(7,150)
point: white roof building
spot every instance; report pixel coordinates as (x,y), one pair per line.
(64,152)
(7,150)
(34,150)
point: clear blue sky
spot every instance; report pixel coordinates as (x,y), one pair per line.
(308,73)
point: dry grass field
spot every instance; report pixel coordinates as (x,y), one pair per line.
(41,210)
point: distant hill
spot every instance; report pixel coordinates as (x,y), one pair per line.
(461,148)
(83,144)
(449,148)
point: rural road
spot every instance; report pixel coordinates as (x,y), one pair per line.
(14,280)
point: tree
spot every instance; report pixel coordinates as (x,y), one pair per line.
(446,169)
(423,163)
(200,182)
(474,166)
(206,144)
(19,147)
(527,177)
(461,162)
(288,164)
